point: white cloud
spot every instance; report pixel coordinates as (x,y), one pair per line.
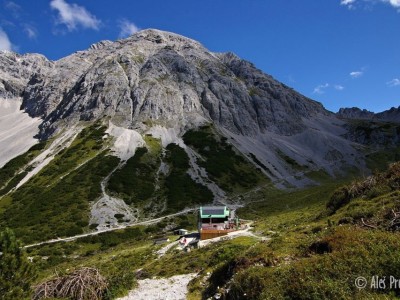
(127,28)
(394,3)
(320,88)
(339,87)
(347,2)
(393,82)
(73,15)
(356,74)
(30,31)
(12,6)
(5,43)
(350,3)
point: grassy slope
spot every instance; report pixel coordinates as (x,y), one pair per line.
(46,207)
(310,256)
(118,254)
(55,202)
(317,253)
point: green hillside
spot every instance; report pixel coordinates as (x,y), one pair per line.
(309,243)
(313,251)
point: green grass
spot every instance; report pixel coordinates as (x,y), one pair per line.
(379,160)
(230,170)
(4,203)
(135,181)
(320,176)
(39,213)
(46,207)
(314,254)
(344,254)
(117,254)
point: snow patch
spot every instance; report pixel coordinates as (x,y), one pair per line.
(17,130)
(174,287)
(126,141)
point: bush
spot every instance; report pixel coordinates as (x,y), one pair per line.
(371,187)
(182,190)
(134,182)
(16,273)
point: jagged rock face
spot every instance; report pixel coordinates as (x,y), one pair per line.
(354,113)
(16,71)
(374,133)
(391,115)
(155,75)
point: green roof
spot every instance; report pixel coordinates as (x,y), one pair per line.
(214,212)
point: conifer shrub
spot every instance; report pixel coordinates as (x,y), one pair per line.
(16,272)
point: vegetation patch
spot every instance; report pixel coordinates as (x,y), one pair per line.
(224,165)
(182,191)
(14,170)
(373,132)
(325,276)
(290,161)
(371,187)
(48,207)
(135,181)
(379,160)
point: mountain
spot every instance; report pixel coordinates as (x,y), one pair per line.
(162,76)
(153,124)
(390,115)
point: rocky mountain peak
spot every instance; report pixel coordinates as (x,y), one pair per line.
(157,75)
(355,113)
(100,45)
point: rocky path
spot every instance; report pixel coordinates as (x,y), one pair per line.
(75,237)
(173,288)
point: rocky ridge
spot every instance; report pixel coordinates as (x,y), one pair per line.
(390,115)
(157,78)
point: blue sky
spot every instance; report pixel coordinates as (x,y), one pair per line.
(342,53)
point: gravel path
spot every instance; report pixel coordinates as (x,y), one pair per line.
(173,288)
(75,237)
